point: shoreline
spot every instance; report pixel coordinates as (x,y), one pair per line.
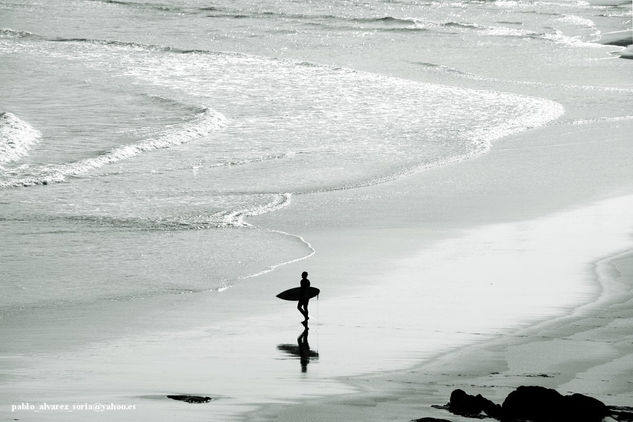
(373,395)
(586,329)
(348,261)
(368,243)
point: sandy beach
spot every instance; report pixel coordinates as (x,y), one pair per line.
(580,343)
(488,246)
(588,350)
(457,179)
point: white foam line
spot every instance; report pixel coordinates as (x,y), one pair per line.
(482,140)
(292,261)
(601,119)
(224,287)
(198,128)
(238,221)
(236,218)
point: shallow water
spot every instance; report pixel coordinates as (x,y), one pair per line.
(138,137)
(129,117)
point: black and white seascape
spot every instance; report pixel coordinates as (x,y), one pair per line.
(449,172)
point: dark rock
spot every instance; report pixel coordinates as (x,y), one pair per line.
(472,406)
(532,403)
(430,420)
(579,407)
(540,404)
(189,399)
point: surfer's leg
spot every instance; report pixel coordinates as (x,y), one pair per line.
(302,307)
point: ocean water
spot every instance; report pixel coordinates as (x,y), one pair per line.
(137,137)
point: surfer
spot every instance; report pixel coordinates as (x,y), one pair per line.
(301,294)
(304,298)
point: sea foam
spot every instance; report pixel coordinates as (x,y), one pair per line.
(201,126)
(16,137)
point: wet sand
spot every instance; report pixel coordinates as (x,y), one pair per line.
(499,252)
(540,231)
(589,350)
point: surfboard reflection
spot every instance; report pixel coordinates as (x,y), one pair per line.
(301,350)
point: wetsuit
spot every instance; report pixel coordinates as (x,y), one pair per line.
(303,298)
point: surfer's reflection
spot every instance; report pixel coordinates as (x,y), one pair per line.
(301,350)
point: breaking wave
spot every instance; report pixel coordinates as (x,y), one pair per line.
(203,125)
(16,137)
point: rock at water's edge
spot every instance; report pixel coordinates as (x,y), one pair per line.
(189,399)
(472,406)
(540,404)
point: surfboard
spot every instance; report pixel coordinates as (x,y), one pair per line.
(293,294)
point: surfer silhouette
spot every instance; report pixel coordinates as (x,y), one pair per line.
(304,298)
(301,294)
